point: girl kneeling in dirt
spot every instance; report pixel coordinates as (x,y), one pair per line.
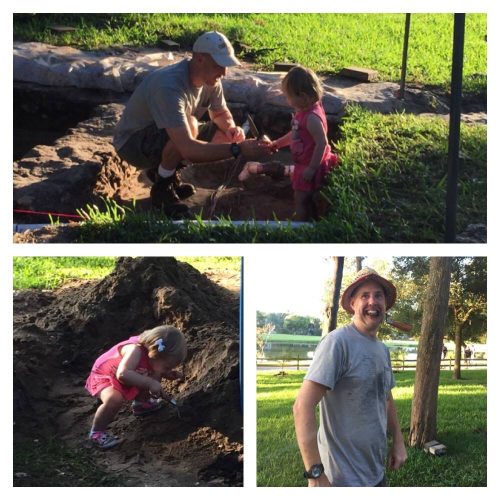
(132,370)
(312,155)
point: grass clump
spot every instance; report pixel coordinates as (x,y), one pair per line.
(461,424)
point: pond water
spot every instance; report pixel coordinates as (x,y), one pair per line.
(284,351)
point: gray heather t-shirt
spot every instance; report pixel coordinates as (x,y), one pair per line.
(352,437)
(166,97)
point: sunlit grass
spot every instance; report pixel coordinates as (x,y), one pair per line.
(461,421)
(325,42)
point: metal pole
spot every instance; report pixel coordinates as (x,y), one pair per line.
(241,337)
(454,131)
(405,57)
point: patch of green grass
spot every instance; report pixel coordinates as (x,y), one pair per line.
(394,172)
(51,272)
(461,423)
(325,42)
(45,462)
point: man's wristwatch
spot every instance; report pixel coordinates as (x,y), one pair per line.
(235,149)
(314,472)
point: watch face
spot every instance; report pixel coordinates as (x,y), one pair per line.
(317,470)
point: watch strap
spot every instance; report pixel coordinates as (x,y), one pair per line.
(235,149)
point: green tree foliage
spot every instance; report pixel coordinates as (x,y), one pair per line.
(302,325)
(292,324)
(467,304)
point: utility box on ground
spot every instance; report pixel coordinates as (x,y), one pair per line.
(435,448)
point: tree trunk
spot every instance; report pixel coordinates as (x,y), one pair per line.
(359,263)
(424,406)
(332,309)
(457,373)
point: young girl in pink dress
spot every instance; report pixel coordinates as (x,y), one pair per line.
(312,155)
(132,370)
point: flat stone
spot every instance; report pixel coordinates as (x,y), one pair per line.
(169,45)
(361,74)
(283,66)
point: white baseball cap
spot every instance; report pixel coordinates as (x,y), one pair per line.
(218,46)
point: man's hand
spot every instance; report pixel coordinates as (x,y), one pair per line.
(322,481)
(397,456)
(235,134)
(255,149)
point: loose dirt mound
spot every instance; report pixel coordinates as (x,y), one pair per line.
(58,335)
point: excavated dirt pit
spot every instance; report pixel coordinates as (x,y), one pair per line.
(65,160)
(57,337)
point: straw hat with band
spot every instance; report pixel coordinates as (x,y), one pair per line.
(368,274)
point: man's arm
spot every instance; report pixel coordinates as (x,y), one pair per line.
(306,427)
(225,122)
(198,151)
(397,453)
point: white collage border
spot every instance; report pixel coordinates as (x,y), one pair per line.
(252,253)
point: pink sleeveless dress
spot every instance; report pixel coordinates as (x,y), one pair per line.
(103,373)
(302,147)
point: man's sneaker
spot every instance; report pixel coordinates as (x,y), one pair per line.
(103,440)
(164,198)
(141,408)
(182,189)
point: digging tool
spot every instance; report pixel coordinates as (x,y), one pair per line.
(183,413)
(252,127)
(405,327)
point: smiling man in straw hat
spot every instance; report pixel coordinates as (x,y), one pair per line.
(351,379)
(161,126)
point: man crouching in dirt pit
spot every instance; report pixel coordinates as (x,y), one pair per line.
(132,370)
(160,125)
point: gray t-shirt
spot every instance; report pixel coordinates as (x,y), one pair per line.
(165,98)
(352,436)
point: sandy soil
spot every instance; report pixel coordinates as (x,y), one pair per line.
(58,335)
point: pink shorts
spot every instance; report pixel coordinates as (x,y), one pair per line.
(96,382)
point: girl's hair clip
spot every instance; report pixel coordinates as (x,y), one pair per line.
(161,346)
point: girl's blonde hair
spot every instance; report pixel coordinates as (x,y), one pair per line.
(300,80)
(165,342)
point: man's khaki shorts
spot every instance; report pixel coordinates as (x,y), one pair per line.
(143,149)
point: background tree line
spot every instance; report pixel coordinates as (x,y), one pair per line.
(292,324)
